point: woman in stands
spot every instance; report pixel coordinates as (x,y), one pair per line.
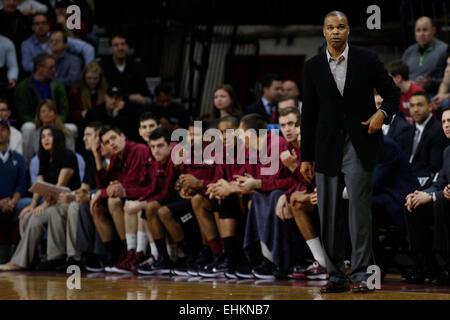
(225,104)
(59,166)
(47,115)
(88,92)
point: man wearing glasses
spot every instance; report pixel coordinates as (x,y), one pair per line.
(39,42)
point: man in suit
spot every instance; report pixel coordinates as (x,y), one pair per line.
(341,132)
(267,105)
(397,130)
(431,207)
(425,141)
(393,179)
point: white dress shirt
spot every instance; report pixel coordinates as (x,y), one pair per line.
(419,130)
(338,67)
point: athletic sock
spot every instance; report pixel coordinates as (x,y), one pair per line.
(216,246)
(142,242)
(162,248)
(230,248)
(131,239)
(316,249)
(109,247)
(154,250)
(123,246)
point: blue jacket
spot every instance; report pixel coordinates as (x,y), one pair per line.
(394,175)
(31,47)
(13,176)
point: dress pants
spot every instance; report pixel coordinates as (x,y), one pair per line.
(88,240)
(428,229)
(32,228)
(62,231)
(332,218)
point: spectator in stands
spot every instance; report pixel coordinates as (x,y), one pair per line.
(13,186)
(39,43)
(68,66)
(15,138)
(9,70)
(426,141)
(266,106)
(89,92)
(444,89)
(125,173)
(399,71)
(62,240)
(13,24)
(58,165)
(47,115)
(171,114)
(225,104)
(427,57)
(398,129)
(290,88)
(114,111)
(431,207)
(31,91)
(124,72)
(86,23)
(287,101)
(89,243)
(30,7)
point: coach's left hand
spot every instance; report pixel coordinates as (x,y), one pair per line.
(375,122)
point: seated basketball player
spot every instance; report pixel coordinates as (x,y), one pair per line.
(136,234)
(116,184)
(299,200)
(206,210)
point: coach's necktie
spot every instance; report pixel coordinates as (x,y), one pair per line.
(415,144)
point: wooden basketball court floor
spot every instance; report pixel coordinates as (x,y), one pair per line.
(103,286)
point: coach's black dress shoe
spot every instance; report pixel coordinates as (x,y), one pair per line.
(336,287)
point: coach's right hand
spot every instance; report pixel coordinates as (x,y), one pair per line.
(306,169)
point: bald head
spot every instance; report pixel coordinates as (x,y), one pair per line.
(424,32)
